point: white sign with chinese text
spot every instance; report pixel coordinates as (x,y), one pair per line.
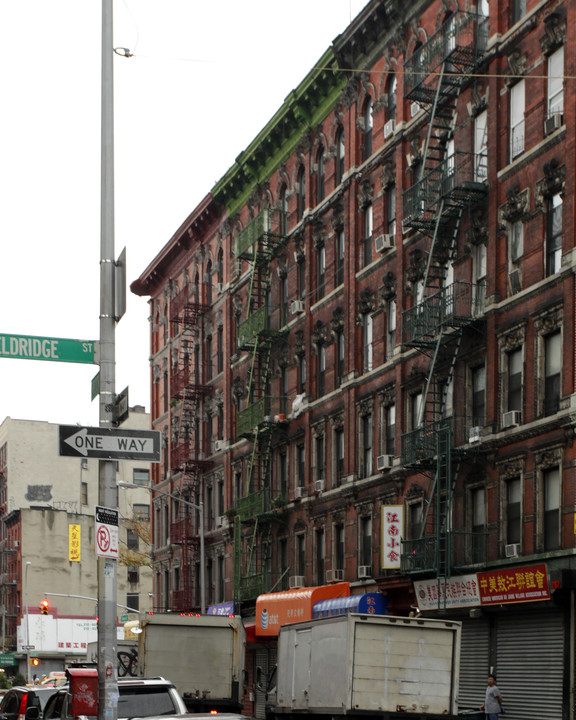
(392,524)
(459,591)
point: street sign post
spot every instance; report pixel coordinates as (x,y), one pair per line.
(109,444)
(27,347)
(106,532)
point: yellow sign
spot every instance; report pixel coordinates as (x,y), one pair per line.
(74,545)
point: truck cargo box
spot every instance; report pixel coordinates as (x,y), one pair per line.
(365,663)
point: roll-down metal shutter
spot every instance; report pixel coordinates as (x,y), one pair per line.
(265,658)
(474,663)
(530,664)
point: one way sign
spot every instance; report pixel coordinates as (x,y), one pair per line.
(109,444)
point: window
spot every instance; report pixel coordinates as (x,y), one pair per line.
(340,155)
(283,559)
(391,99)
(300,466)
(552,368)
(367,343)
(481,146)
(390,437)
(132,574)
(301,192)
(209,508)
(301,555)
(321,265)
(209,357)
(320,462)
(140,476)
(479,269)
(390,327)
(367,244)
(414,520)
(556,83)
(208,283)
(513,511)
(391,210)
(320,557)
(220,267)
(141,511)
(283,210)
(478,498)
(133,601)
(301,374)
(221,579)
(283,300)
(339,547)
(339,277)
(320,175)
(84,493)
(340,354)
(220,349)
(283,466)
(367,450)
(551,493)
(321,370)
(517,105)
(478,395)
(131,540)
(339,453)
(416,414)
(368,125)
(515,380)
(220,498)
(553,234)
(518,10)
(301,278)
(366,541)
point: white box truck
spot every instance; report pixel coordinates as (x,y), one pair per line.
(365,664)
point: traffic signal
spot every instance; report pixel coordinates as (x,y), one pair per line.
(34,662)
(44,607)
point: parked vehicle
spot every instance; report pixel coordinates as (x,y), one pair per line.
(203,655)
(19,699)
(356,664)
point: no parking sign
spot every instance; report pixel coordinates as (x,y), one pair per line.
(106,532)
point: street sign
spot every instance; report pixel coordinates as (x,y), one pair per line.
(121,408)
(27,347)
(8,659)
(28,647)
(109,444)
(106,532)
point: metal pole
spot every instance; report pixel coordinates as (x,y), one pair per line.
(107,494)
(28,563)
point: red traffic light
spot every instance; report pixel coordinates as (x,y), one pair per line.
(44,607)
(34,662)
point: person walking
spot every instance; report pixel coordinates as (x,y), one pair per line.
(492,705)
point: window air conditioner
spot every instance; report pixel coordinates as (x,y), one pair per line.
(220,445)
(334,575)
(383,242)
(512,550)
(350,478)
(511,418)
(552,123)
(414,109)
(296,581)
(384,462)
(299,493)
(389,128)
(297,307)
(475,434)
(364,571)
(319,486)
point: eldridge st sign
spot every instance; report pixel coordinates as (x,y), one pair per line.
(27,347)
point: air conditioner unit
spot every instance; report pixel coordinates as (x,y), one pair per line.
(512,550)
(297,307)
(334,575)
(319,486)
(219,288)
(220,445)
(552,123)
(474,434)
(221,521)
(299,493)
(296,581)
(350,478)
(511,418)
(384,462)
(389,128)
(364,571)
(383,242)
(414,109)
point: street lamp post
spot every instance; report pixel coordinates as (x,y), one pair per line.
(200,508)
(28,563)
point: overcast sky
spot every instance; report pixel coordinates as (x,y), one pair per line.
(205,78)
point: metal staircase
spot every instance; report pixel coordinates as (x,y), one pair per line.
(446,186)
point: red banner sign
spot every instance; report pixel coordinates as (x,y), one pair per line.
(513,585)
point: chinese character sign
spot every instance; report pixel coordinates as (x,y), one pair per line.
(509,585)
(74,543)
(392,529)
(453,592)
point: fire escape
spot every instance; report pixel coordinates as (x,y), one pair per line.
(448,184)
(258,243)
(187,389)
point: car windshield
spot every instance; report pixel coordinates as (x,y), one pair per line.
(142,702)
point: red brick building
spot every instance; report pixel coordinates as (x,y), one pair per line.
(362,341)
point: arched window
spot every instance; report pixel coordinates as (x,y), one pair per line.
(340,155)
(368,124)
(301,191)
(320,174)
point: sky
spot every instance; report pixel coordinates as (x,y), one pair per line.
(204,78)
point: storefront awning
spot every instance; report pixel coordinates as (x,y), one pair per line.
(370,603)
(276,609)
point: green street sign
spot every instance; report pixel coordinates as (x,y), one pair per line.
(27,347)
(7,659)
(123,618)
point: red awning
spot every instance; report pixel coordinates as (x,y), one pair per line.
(290,606)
